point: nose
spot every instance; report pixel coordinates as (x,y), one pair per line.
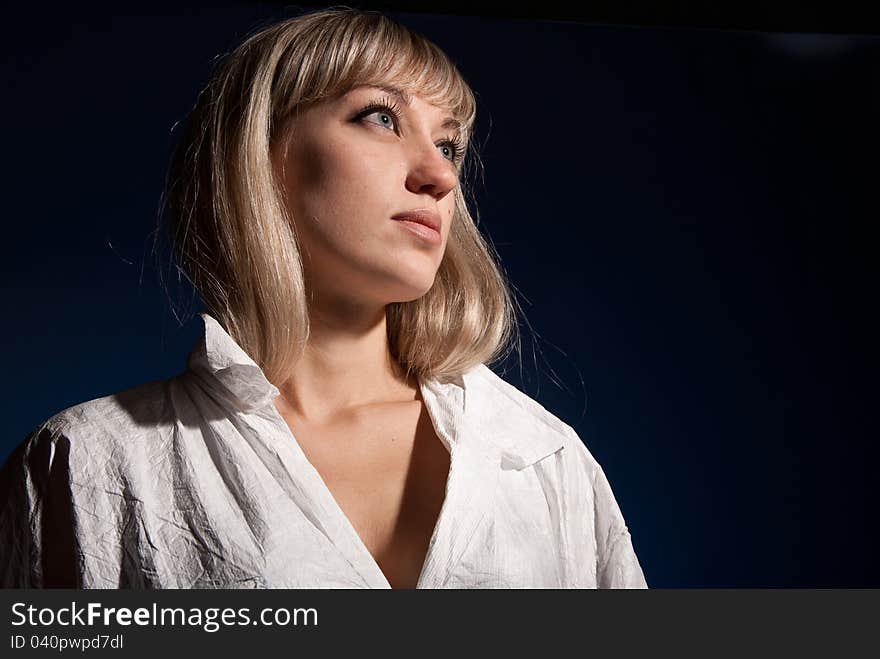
(429,172)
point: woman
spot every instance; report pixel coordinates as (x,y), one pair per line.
(337,426)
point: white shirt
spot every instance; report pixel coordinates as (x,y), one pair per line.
(197,482)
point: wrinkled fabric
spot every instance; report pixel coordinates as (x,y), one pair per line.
(197,482)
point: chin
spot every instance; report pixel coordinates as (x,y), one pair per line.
(413,292)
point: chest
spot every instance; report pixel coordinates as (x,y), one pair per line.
(388,472)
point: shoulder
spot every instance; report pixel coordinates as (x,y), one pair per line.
(107,427)
(525,430)
(534,437)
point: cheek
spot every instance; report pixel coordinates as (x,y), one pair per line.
(337,178)
(447,210)
(314,169)
(340,192)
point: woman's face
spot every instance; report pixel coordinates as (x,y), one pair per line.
(348,168)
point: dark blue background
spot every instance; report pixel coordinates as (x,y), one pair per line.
(684,213)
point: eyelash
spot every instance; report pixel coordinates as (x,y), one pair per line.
(389,107)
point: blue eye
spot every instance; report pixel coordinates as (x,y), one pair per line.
(388,115)
(456,144)
(390,112)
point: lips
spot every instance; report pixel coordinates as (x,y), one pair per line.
(421,216)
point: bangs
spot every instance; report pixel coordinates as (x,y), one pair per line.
(373,50)
(417,68)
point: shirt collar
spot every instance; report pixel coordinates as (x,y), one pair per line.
(522,430)
(227,370)
(504,422)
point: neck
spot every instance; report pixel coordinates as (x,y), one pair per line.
(346,365)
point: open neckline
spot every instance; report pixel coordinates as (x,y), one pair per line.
(473,478)
(335,516)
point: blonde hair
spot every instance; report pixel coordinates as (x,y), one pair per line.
(228,225)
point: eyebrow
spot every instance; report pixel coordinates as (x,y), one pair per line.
(406,99)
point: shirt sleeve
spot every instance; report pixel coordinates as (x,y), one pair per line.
(37,540)
(616,562)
